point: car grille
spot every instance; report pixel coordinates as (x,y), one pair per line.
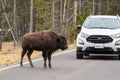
(99,39)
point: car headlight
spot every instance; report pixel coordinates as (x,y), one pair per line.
(80,42)
(84,35)
(116,35)
(117,42)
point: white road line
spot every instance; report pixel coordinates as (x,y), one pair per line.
(60,53)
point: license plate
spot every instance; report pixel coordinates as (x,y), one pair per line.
(99,46)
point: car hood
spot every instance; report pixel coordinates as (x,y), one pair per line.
(100,31)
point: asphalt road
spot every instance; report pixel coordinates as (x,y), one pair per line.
(67,67)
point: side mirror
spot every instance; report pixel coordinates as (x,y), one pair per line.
(78,27)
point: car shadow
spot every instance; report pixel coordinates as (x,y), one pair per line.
(101,57)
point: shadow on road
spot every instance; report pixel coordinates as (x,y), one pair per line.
(101,57)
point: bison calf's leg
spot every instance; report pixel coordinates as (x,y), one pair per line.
(44,54)
(29,57)
(49,58)
(22,55)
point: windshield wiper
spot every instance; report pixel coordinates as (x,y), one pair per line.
(99,27)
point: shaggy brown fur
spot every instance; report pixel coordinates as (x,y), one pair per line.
(46,41)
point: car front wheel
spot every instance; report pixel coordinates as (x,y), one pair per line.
(79,55)
(119,57)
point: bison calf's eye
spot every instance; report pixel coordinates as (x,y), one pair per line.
(41,39)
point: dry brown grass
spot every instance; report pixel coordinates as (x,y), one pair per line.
(9,55)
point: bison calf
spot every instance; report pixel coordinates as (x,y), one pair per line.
(46,41)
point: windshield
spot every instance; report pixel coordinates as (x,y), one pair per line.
(106,23)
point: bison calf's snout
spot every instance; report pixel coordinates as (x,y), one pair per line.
(46,41)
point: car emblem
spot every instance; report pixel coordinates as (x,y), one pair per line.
(99,38)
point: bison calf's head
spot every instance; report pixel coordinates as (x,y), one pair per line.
(62,43)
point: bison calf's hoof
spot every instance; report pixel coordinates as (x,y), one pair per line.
(45,66)
(50,66)
(21,64)
(32,65)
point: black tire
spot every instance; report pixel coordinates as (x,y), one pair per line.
(119,57)
(78,55)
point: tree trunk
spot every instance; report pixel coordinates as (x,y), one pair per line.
(64,10)
(53,16)
(107,7)
(67,12)
(75,13)
(15,21)
(93,7)
(31,16)
(61,2)
(99,7)
(80,5)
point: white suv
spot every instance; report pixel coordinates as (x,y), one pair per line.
(100,34)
